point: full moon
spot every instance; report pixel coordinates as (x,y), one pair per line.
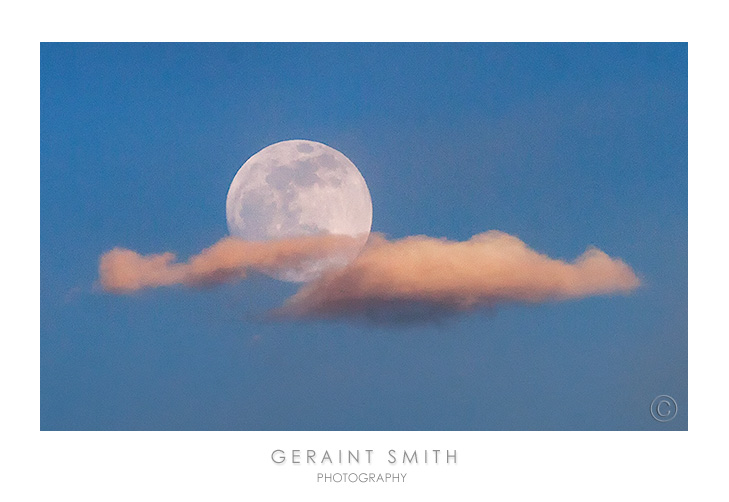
(299,188)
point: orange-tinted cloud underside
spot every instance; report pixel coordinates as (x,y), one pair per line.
(415,275)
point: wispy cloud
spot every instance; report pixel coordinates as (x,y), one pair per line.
(408,278)
(124,271)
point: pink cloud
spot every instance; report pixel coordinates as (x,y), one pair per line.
(416,275)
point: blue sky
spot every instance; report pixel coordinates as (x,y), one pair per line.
(562,145)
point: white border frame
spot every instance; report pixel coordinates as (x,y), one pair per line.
(237,465)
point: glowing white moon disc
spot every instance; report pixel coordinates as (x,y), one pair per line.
(298,188)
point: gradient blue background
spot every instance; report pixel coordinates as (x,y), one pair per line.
(562,145)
